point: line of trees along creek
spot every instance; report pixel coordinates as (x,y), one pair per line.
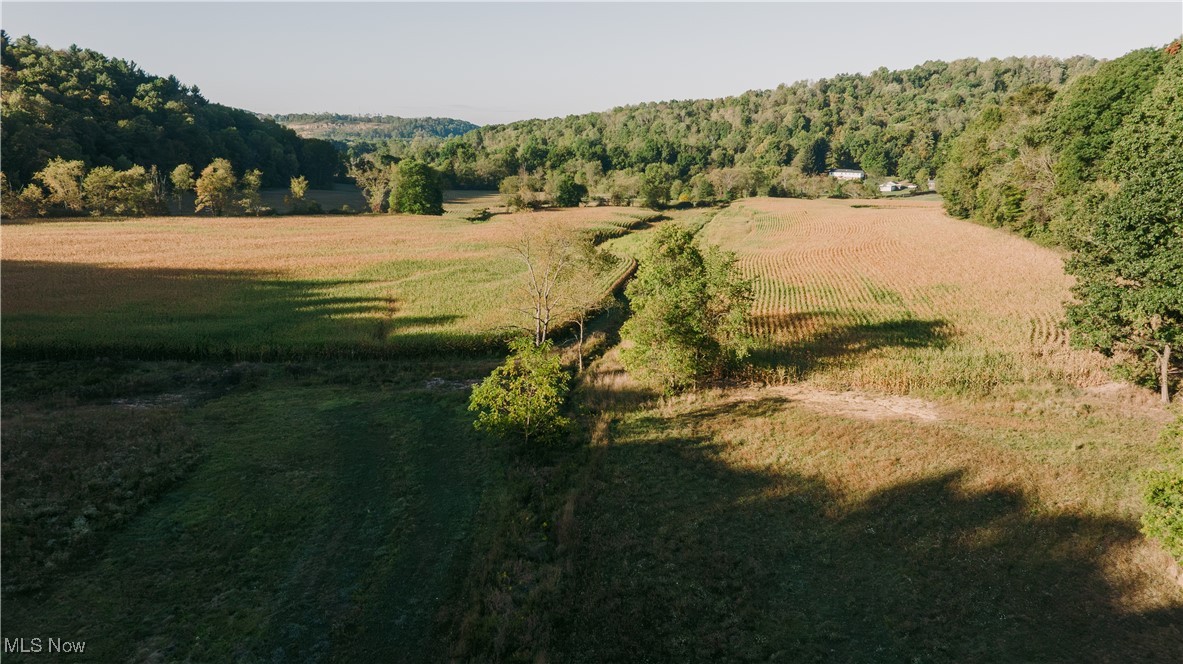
(687,324)
(66,188)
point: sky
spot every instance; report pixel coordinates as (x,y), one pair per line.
(500,62)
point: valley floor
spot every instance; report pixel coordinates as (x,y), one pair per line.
(915,467)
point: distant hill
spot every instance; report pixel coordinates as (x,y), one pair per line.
(79,104)
(890,123)
(349,129)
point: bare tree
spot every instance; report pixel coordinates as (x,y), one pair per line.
(584,293)
(549,253)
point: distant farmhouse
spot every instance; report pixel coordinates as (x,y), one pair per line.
(892,185)
(848,174)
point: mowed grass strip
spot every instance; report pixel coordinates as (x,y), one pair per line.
(330,518)
(897,297)
(270,287)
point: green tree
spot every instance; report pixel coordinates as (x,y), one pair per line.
(524,396)
(655,187)
(182,180)
(373,178)
(1129,272)
(416,189)
(248,192)
(567,192)
(1129,259)
(108,191)
(63,181)
(689,312)
(215,187)
(298,189)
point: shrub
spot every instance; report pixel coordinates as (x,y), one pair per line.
(524,395)
(1163,519)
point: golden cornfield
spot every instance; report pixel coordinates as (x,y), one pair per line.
(897,296)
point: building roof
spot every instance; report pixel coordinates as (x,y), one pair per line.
(847,170)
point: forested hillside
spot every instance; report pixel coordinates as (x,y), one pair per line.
(346,130)
(1038,162)
(1097,169)
(887,122)
(78,104)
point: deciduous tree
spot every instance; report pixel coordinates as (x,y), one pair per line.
(63,181)
(689,311)
(108,191)
(416,189)
(249,199)
(373,178)
(182,180)
(215,188)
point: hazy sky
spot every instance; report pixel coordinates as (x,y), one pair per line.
(501,62)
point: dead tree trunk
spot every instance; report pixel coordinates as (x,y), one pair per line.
(1164,380)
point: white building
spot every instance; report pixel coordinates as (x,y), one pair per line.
(890,186)
(848,174)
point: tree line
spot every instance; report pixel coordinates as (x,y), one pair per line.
(79,105)
(66,188)
(1096,168)
(889,123)
(344,130)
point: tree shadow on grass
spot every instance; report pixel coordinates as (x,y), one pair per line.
(837,343)
(71,310)
(679,556)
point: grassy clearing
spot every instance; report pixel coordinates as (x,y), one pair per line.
(899,298)
(330,517)
(273,287)
(744,525)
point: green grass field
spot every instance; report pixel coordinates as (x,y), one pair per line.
(330,509)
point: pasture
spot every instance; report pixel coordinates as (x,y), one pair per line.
(186,511)
(169,496)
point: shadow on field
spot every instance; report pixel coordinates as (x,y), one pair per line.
(68,309)
(680,557)
(838,343)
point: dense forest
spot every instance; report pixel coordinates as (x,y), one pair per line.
(80,105)
(1038,162)
(895,123)
(346,130)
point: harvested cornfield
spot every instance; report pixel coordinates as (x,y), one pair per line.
(251,288)
(896,296)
